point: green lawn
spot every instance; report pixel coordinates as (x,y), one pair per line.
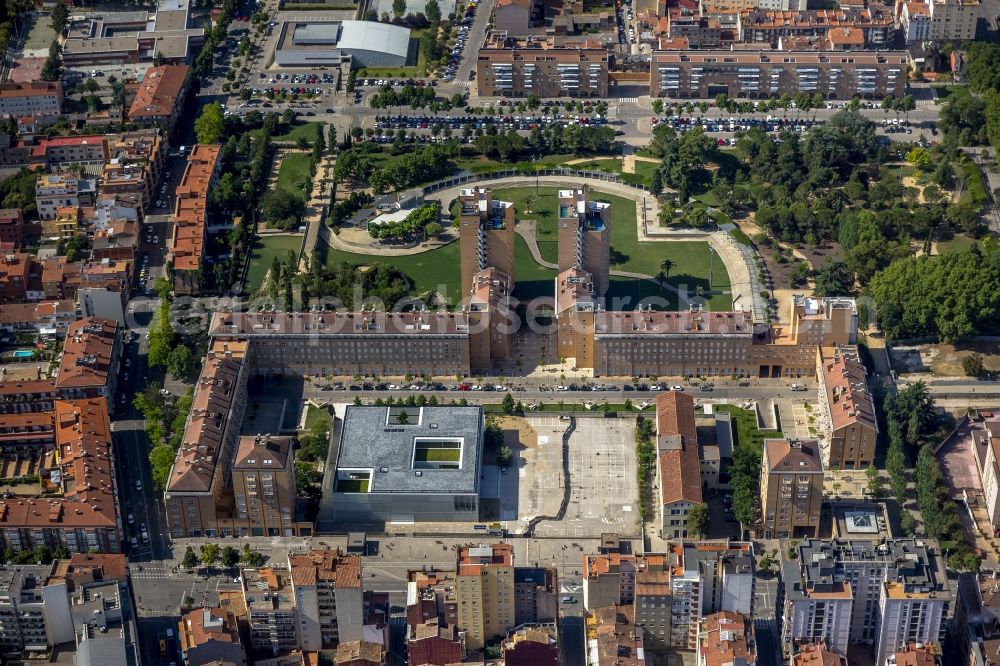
(974,192)
(438,269)
(299,129)
(691,269)
(293,176)
(315,416)
(352,485)
(961,242)
(946,91)
(437,455)
(746,433)
(264,250)
(530,279)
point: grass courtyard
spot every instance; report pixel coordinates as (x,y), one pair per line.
(265,249)
(434,270)
(293,176)
(293,134)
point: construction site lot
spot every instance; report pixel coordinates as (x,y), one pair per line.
(603,493)
(943,360)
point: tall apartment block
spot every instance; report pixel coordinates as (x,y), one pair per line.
(491,321)
(519,66)
(791,489)
(328,598)
(575,310)
(263,481)
(884,594)
(702,74)
(486,234)
(849,408)
(955,20)
(585,237)
(484,593)
(270,604)
(678,464)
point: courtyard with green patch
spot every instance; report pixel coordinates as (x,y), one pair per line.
(293,175)
(265,249)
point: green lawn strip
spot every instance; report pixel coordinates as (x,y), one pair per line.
(437,455)
(531,280)
(627,293)
(974,192)
(352,486)
(293,176)
(946,91)
(437,270)
(746,432)
(307,130)
(988,245)
(740,236)
(265,248)
(315,416)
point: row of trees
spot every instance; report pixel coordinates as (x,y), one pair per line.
(214,39)
(211,553)
(416,97)
(976,118)
(165,422)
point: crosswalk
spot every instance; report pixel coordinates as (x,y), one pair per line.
(628,100)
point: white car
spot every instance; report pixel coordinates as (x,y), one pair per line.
(131,519)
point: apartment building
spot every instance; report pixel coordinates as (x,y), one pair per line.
(352,343)
(977,620)
(135,168)
(703,74)
(329,598)
(915,21)
(725,638)
(486,234)
(791,489)
(199,495)
(510,66)
(210,635)
(43,318)
(609,579)
(536,595)
(28,612)
(912,610)
(187,245)
(263,482)
(408,464)
(954,20)
(848,408)
(57,151)
(652,609)
(585,236)
(11,226)
(690,343)
(789,349)
(32,98)
(90,360)
(54,191)
(613,638)
(492,320)
(575,304)
(678,467)
(271,612)
(484,593)
(761,26)
(884,594)
(433,635)
(20,278)
(986,451)
(159,97)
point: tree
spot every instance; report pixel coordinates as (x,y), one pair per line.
(398,8)
(282,209)
(230,557)
(656,183)
(874,482)
(666,266)
(919,157)
(505,456)
(432,10)
(834,278)
(658,106)
(250,557)
(180,362)
(209,127)
(60,17)
(508,404)
(52,69)
(697,519)
(433,230)
(973,365)
(210,554)
(190,560)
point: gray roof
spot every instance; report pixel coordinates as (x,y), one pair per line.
(374,36)
(912,562)
(367,442)
(101,651)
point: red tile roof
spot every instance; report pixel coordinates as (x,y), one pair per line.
(157,94)
(87,354)
(680,466)
(191,207)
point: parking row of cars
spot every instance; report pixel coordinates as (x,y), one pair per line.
(768,124)
(482,122)
(456,52)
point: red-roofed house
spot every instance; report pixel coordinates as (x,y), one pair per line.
(11,225)
(159,97)
(678,463)
(89,366)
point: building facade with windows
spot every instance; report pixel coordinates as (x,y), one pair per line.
(522,66)
(791,489)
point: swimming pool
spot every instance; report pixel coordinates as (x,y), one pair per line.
(24,353)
